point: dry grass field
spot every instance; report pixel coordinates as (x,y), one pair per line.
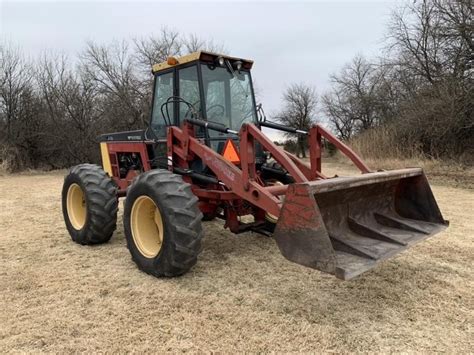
(57,296)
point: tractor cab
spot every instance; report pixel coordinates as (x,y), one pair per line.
(204,86)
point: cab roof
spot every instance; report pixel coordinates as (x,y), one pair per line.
(195,56)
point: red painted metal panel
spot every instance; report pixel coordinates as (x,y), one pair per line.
(317,132)
(139,148)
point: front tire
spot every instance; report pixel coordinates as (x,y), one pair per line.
(162,224)
(90,204)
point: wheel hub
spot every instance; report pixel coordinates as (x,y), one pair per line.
(147,226)
(76,206)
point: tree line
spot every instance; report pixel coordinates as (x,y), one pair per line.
(52,110)
(416,98)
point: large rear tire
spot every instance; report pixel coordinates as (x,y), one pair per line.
(90,204)
(162,224)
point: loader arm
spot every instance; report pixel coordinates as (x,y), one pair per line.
(233,178)
(343,225)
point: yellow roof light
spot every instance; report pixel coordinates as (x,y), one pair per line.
(172,61)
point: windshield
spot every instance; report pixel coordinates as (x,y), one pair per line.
(229,97)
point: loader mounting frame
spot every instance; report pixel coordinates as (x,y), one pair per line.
(244,183)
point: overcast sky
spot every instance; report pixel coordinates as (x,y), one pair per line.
(289,41)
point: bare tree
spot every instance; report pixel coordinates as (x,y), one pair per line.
(299,110)
(338,110)
(15,82)
(157,48)
(112,68)
(19,109)
(358,100)
(432,51)
(193,43)
(71,100)
(457,30)
(413,40)
(432,39)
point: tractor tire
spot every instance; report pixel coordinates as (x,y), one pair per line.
(90,204)
(162,224)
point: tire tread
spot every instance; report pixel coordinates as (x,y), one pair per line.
(184,222)
(102,203)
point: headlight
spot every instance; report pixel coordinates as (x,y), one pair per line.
(238,65)
(220,61)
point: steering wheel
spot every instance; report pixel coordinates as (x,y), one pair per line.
(220,107)
(190,109)
(222,110)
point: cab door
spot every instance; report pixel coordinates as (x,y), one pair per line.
(163,113)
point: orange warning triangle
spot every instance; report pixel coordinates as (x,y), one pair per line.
(230,152)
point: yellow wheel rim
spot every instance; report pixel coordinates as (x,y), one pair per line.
(76,206)
(147,226)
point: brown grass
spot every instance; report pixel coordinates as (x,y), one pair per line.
(382,142)
(449,173)
(382,149)
(57,296)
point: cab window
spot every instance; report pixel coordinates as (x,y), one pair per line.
(164,88)
(188,90)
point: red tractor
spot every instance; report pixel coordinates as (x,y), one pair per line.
(204,156)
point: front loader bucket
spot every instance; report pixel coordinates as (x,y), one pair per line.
(346,225)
